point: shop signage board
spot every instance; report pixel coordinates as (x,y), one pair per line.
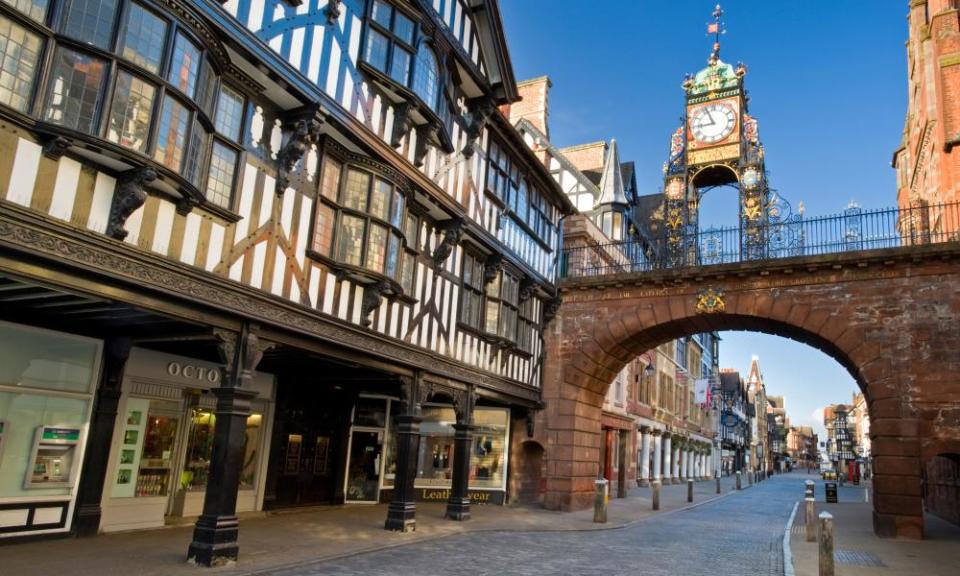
(476,496)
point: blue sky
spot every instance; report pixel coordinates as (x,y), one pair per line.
(827,81)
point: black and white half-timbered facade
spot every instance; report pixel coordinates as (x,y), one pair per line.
(259,254)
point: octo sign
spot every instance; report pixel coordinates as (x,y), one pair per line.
(191,372)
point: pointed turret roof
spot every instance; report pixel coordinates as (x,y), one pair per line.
(611,183)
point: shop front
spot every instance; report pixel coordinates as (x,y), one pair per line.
(488,455)
(163,441)
(47,381)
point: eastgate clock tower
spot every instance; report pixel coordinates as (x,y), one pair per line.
(718,145)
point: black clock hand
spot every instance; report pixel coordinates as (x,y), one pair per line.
(710,116)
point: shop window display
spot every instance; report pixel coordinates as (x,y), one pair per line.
(200,449)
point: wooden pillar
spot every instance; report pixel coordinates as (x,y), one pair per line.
(402,511)
(116,352)
(216,531)
(458,505)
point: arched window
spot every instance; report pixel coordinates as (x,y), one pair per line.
(426,76)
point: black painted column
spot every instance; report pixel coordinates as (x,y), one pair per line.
(402,511)
(216,531)
(458,505)
(116,352)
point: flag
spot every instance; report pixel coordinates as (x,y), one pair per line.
(702,390)
(713,28)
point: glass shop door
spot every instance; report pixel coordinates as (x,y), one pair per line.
(363,466)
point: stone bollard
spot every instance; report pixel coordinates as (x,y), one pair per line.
(718,483)
(600,501)
(655,495)
(739,487)
(826,544)
(750,478)
(811,514)
(689,490)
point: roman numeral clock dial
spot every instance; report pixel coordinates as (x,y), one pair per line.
(713,123)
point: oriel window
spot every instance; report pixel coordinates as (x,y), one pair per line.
(75,88)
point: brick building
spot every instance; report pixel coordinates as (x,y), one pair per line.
(928,173)
(927,163)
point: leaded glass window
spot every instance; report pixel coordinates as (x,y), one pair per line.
(19,53)
(35,9)
(223,167)
(91,21)
(185,65)
(144,38)
(75,88)
(172,135)
(426,76)
(229,117)
(132,110)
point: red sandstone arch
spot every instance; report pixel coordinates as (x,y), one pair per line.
(892,321)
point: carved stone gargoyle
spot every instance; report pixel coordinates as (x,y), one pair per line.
(551,309)
(128,197)
(305,133)
(452,230)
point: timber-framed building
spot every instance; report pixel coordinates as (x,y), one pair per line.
(263,253)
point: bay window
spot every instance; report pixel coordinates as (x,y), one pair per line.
(159,94)
(357,222)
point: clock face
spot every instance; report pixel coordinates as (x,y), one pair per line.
(713,122)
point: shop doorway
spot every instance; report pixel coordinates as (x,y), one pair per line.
(363,468)
(309,439)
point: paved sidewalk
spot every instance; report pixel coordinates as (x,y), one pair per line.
(290,538)
(858,552)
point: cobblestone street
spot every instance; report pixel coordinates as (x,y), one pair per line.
(736,535)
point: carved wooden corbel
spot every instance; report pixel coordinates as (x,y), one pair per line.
(492,267)
(252,349)
(305,132)
(551,309)
(186,204)
(401,123)
(128,197)
(372,297)
(464,402)
(477,117)
(332,11)
(55,146)
(425,133)
(452,230)
(527,288)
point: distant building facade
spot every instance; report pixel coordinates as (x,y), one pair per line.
(654,427)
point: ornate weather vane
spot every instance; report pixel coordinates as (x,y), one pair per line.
(717,27)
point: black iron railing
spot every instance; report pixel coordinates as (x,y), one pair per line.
(853,229)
